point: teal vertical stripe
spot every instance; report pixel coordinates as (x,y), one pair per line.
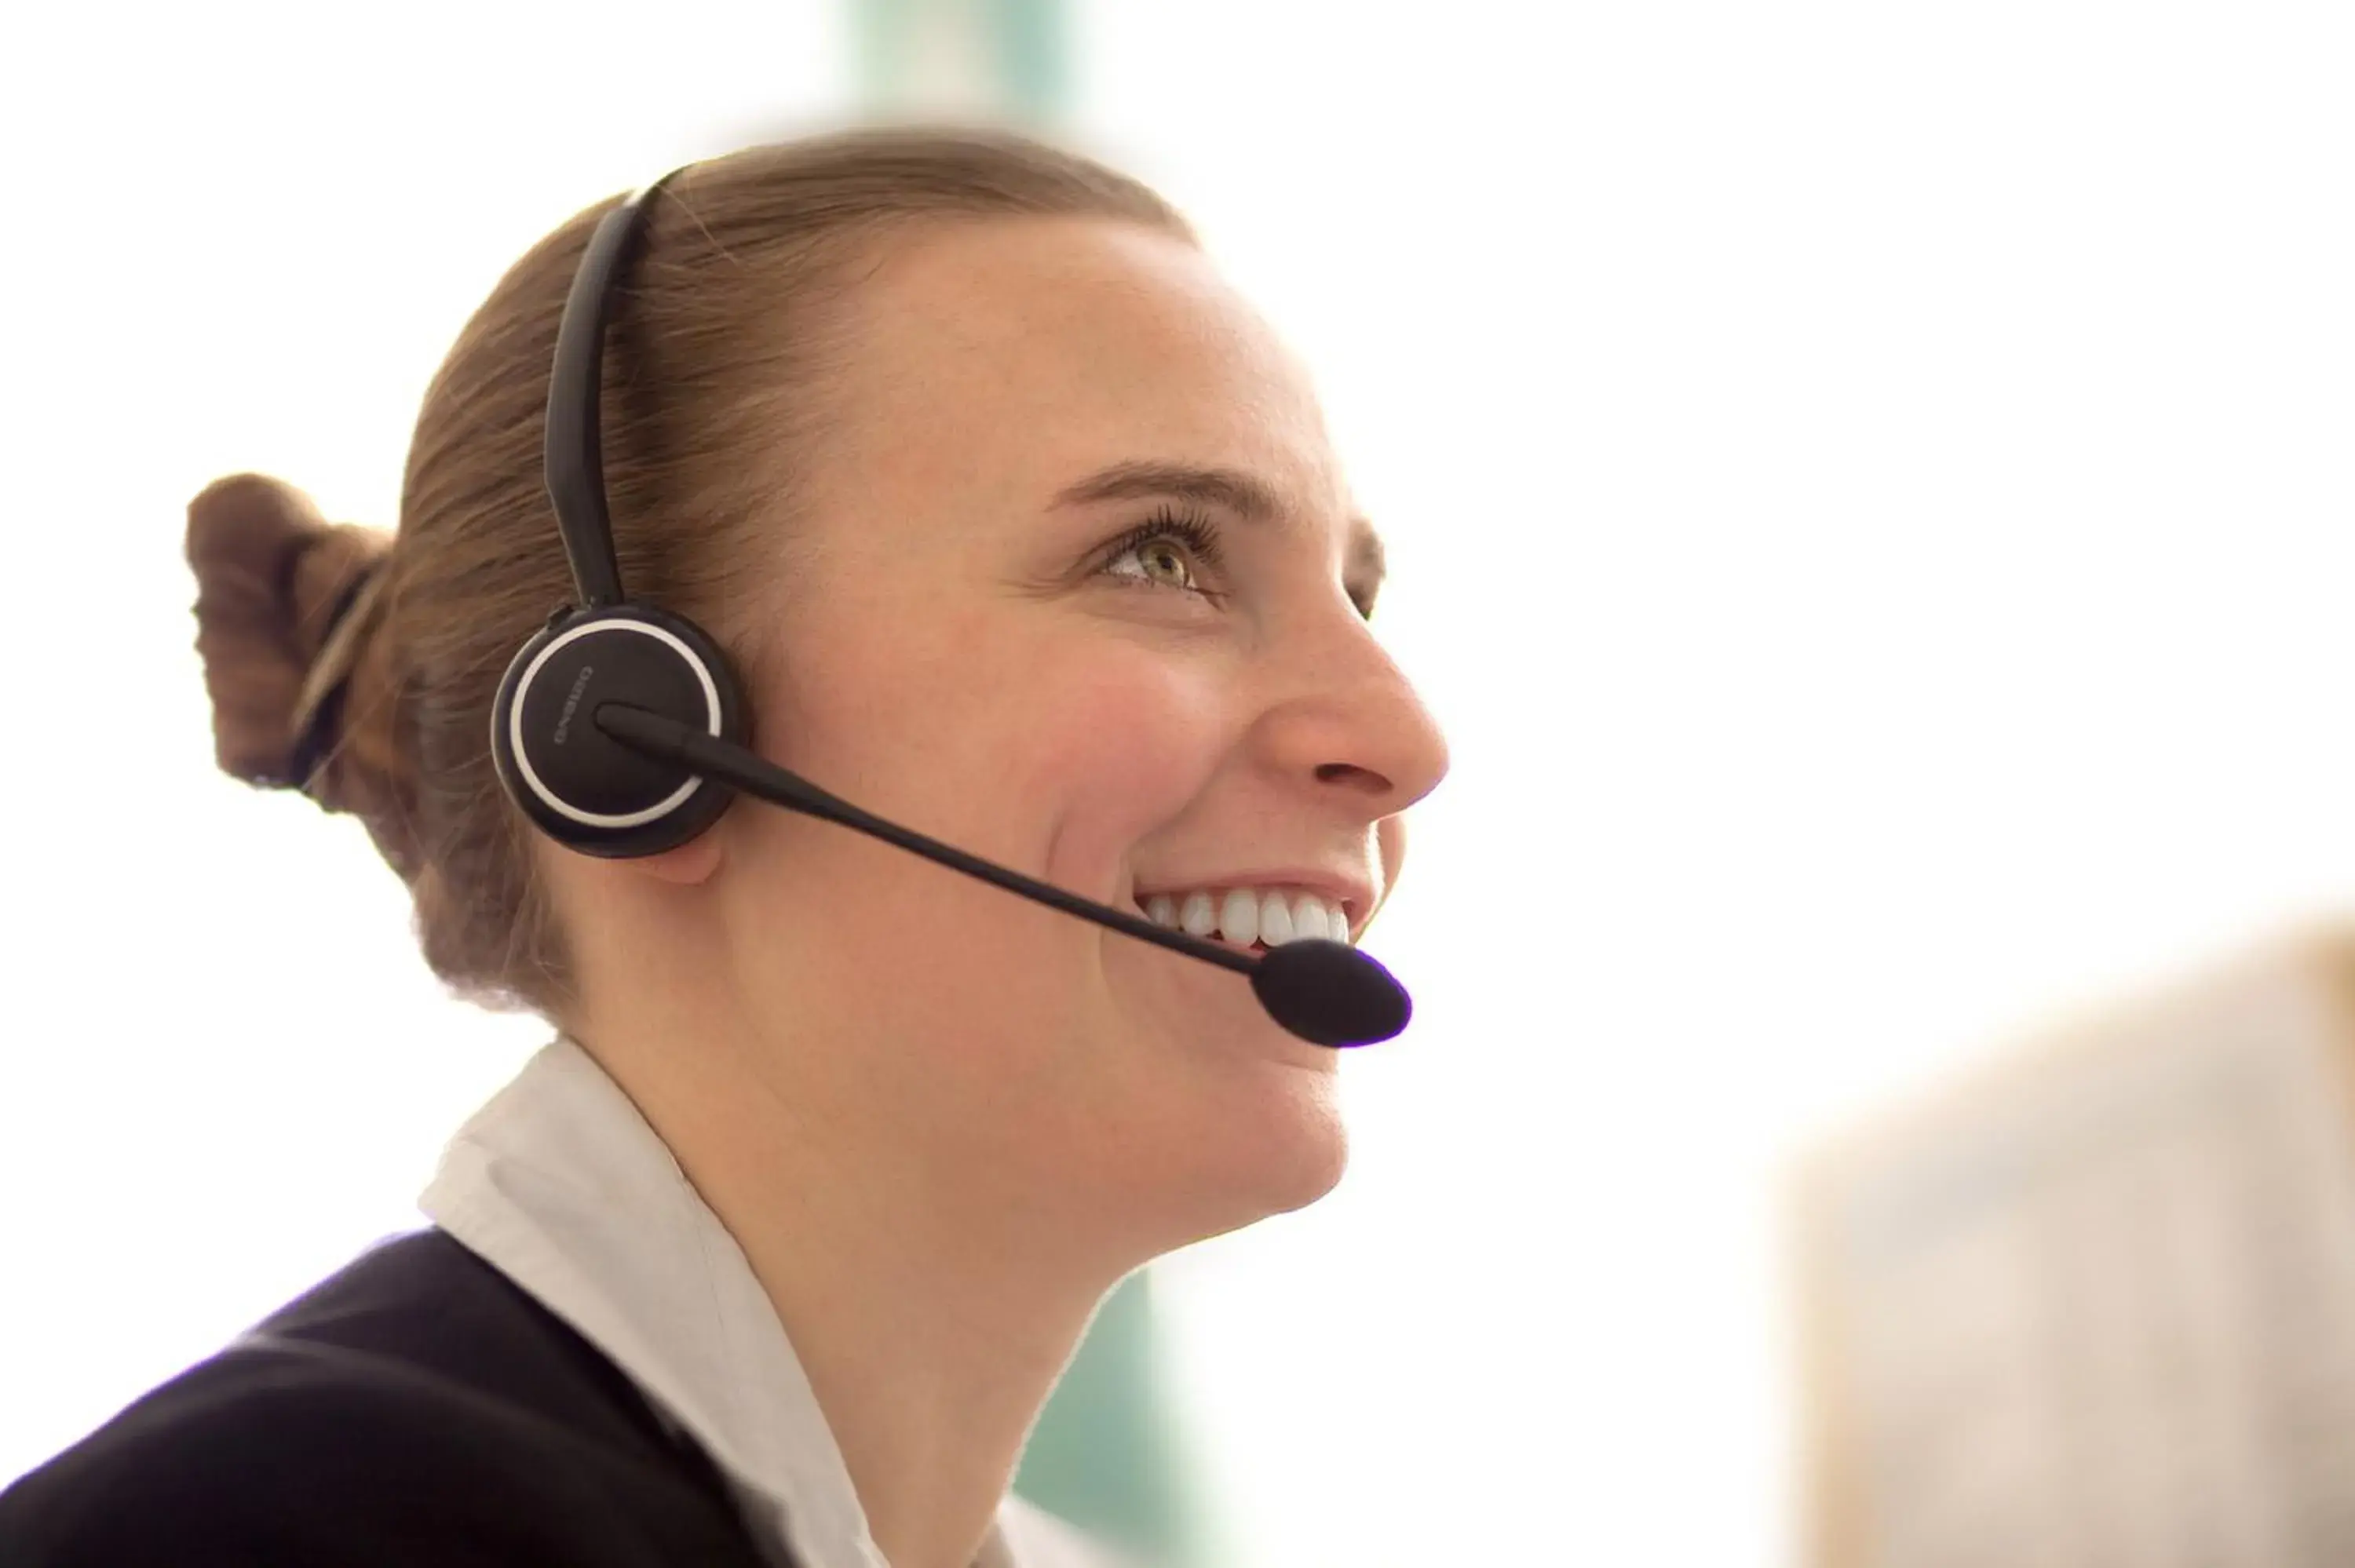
(1020,58)
(1107,1454)
(1035,62)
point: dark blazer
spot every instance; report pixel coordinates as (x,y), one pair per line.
(417,1410)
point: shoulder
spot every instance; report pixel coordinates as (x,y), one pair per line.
(264,1456)
(347,1431)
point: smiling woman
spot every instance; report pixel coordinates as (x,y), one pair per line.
(1023,529)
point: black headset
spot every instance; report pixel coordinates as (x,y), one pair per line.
(577,784)
(620,729)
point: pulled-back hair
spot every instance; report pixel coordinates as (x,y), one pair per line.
(713,382)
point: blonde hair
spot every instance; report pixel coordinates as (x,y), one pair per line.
(712,377)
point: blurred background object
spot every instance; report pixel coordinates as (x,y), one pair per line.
(992,60)
(2096,1304)
(1868,490)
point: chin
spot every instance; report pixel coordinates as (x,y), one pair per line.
(1266,1140)
(1315,1155)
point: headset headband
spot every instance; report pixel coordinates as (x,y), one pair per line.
(575,454)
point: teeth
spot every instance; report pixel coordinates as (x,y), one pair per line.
(1275,921)
(1239,918)
(1245,914)
(1310,918)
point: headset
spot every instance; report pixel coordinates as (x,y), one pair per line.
(578,785)
(620,729)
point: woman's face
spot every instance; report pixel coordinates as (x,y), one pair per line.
(1075,584)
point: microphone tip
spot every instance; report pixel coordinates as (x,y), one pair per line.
(1329,993)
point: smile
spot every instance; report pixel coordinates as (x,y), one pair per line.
(1268,916)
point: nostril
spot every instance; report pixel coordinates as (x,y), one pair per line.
(1350,773)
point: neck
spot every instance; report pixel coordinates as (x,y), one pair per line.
(931,1315)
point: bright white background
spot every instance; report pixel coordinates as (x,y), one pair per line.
(1872,498)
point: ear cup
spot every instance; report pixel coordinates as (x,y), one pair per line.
(578,784)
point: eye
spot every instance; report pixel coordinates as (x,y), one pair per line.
(1169,551)
(1162,559)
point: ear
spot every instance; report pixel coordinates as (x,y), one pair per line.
(690,864)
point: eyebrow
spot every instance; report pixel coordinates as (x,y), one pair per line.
(1231,489)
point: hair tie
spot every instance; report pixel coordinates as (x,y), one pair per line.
(319,711)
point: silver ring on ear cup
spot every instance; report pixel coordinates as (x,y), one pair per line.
(714,724)
(576,783)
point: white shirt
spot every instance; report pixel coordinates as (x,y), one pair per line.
(562,1186)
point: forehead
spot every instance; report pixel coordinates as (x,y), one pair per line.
(1024,352)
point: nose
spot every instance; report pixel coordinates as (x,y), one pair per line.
(1347,719)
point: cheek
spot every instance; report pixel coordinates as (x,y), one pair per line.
(1126,744)
(1053,745)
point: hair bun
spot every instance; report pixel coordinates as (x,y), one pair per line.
(271,574)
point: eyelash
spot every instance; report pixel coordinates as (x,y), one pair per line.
(1200,536)
(1197,533)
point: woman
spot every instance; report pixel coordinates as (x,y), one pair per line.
(1020,529)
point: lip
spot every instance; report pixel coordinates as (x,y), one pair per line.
(1355,895)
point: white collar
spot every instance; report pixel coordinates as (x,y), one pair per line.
(561,1185)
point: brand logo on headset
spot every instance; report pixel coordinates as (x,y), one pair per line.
(572,702)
